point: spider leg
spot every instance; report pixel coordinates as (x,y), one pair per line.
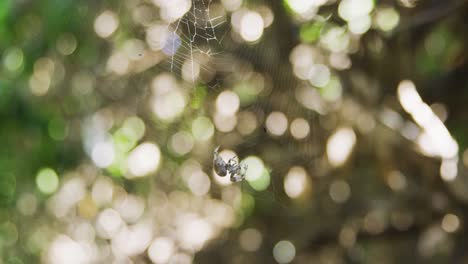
(232,160)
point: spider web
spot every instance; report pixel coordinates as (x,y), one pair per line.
(196,54)
(193,41)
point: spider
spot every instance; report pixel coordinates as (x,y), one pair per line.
(236,170)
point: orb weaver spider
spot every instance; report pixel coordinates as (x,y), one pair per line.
(236,170)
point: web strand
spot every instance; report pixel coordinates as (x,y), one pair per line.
(189,35)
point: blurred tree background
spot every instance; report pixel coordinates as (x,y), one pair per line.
(349,114)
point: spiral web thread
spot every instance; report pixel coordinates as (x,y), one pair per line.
(195,29)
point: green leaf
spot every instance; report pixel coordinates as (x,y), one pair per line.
(311,32)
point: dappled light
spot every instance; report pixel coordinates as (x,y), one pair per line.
(233,131)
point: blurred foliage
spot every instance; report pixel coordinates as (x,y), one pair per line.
(110,112)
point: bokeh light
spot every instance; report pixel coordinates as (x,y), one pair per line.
(199,183)
(67,44)
(227,103)
(202,129)
(256,168)
(103,154)
(102,191)
(340,191)
(355,9)
(340,145)
(251,26)
(319,75)
(66,250)
(27,204)
(231,5)
(450,223)
(106,24)
(182,142)
(387,18)
(295,182)
(47,180)
(144,159)
(169,105)
(300,128)
(111,114)
(13,59)
(250,239)
(225,123)
(194,232)
(161,249)
(247,123)
(396,180)
(157,36)
(108,223)
(277,123)
(284,251)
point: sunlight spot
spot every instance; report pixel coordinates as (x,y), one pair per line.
(157,37)
(387,18)
(284,251)
(299,128)
(261,183)
(65,250)
(340,191)
(144,159)
(435,139)
(161,250)
(66,44)
(130,207)
(47,181)
(108,223)
(248,123)
(105,24)
(118,63)
(347,237)
(304,6)
(27,204)
(39,86)
(340,145)
(103,154)
(231,5)
(450,223)
(227,103)
(255,168)
(449,169)
(319,75)
(295,182)
(396,180)
(225,123)
(352,9)
(336,39)
(250,239)
(251,27)
(199,183)
(191,70)
(202,128)
(360,25)
(169,105)
(133,240)
(13,59)
(277,123)
(174,9)
(182,143)
(194,232)
(408,3)
(102,191)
